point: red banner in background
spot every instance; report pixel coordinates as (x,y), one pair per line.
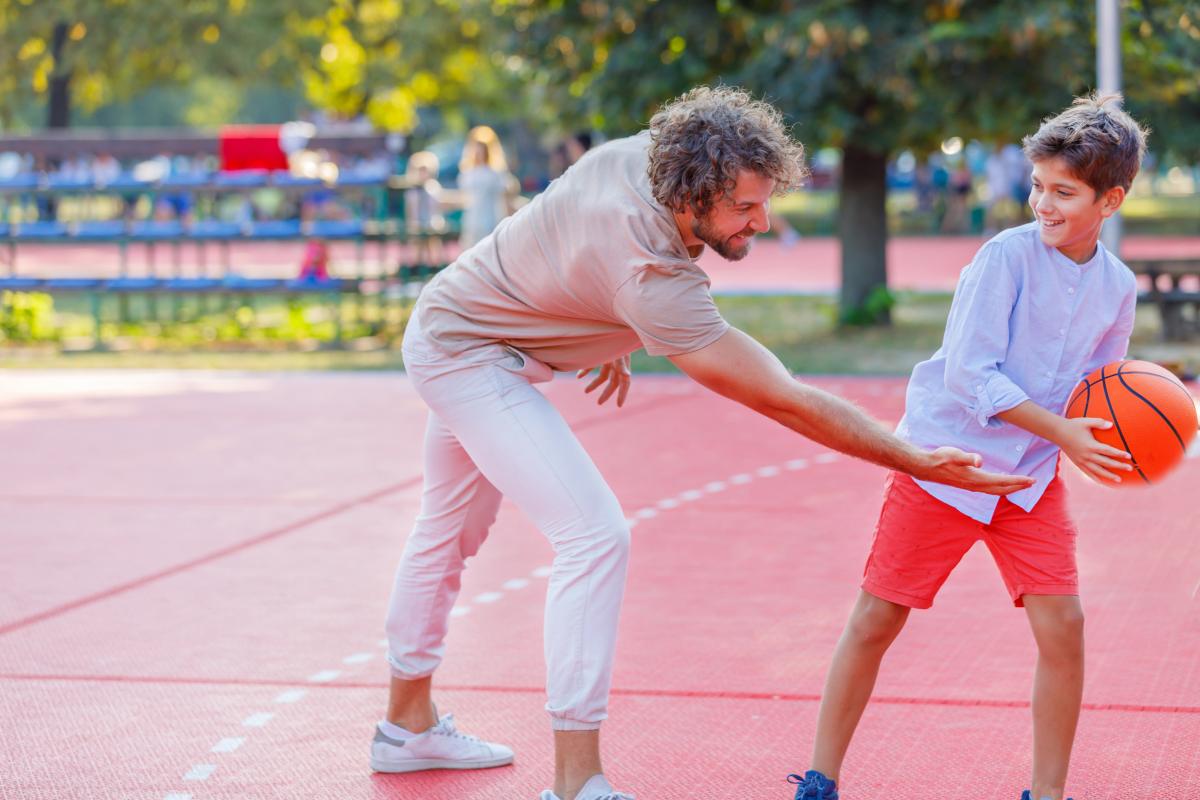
(243,147)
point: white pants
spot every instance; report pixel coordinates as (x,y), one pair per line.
(491,433)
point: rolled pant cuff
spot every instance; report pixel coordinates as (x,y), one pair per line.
(408,676)
(573,725)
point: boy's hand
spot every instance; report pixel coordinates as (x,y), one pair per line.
(1077,440)
(953,467)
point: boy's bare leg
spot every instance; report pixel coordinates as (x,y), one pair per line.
(873,626)
(576,753)
(1057,622)
(576,760)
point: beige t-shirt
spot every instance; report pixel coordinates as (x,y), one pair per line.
(591,270)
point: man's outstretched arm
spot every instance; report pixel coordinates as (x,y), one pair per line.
(738,367)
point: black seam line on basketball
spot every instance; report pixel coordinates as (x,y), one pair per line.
(1117,425)
(1134,392)
(138,583)
(675,693)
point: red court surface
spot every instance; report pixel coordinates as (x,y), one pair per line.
(812,266)
(196,567)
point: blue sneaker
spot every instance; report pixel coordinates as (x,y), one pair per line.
(815,786)
(1025,795)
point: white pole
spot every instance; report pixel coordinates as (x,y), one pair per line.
(1108,79)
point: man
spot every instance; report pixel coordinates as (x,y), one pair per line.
(599,265)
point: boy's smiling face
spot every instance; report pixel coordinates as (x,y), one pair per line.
(1068,212)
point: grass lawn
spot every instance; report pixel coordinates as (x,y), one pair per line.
(800,330)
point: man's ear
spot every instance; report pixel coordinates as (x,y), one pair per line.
(1111,201)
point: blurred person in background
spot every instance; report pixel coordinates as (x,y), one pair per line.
(423,208)
(314,266)
(486,187)
(957,199)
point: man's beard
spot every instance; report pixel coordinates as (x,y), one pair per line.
(704,231)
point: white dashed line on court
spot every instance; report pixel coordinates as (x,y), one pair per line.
(739,479)
(715,486)
(177,797)
(382,642)
(291,695)
(324,676)
(768,472)
(646,513)
(515,583)
(797,463)
(825,458)
(542,572)
(258,720)
(358,658)
(460,611)
(691,494)
(200,772)
(227,745)
(667,503)
(488,597)
(631,522)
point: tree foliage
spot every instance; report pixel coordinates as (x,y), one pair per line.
(114,49)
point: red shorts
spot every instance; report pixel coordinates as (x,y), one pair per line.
(920,539)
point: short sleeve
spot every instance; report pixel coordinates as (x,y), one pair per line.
(670,310)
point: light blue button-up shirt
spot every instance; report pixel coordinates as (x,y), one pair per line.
(1027,323)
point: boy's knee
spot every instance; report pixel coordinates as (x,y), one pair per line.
(877,621)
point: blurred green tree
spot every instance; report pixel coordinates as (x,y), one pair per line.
(869,77)
(379,58)
(87,53)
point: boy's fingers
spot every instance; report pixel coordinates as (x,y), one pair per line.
(1103,474)
(1113,452)
(1096,422)
(1111,463)
(583,373)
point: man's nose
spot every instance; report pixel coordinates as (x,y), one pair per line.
(761,221)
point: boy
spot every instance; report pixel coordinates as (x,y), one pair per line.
(1039,307)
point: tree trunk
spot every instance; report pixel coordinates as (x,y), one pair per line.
(59,111)
(862,228)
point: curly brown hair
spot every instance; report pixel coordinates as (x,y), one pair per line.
(1101,144)
(701,140)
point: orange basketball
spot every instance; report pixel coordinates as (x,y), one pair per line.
(1153,416)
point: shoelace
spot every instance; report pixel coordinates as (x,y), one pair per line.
(812,787)
(447,724)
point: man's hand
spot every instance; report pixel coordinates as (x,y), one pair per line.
(741,369)
(1095,458)
(953,467)
(618,376)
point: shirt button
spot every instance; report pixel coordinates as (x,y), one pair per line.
(1049,374)
(979,388)
(1019,448)
(1070,291)
(1062,332)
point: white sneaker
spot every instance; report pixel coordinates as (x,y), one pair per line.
(597,788)
(440,747)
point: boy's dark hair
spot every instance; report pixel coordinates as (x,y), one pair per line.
(701,140)
(1100,143)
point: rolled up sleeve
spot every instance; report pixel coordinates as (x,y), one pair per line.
(977,339)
